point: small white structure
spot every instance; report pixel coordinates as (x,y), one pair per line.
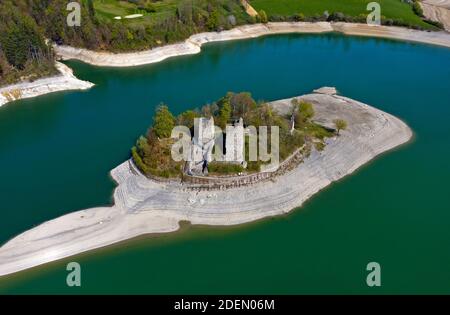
(292,124)
(202,144)
(234,142)
(133,16)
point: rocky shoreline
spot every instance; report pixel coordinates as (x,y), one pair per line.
(62,82)
(67,81)
(193,44)
(144,206)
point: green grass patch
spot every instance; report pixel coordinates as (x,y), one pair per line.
(160,10)
(106,10)
(391,9)
(221,168)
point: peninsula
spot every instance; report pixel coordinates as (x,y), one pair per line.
(143,205)
(64,81)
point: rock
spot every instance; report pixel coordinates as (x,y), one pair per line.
(326,90)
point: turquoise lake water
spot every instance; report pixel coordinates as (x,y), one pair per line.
(56,152)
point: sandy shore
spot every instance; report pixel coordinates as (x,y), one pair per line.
(62,82)
(193,44)
(67,81)
(143,206)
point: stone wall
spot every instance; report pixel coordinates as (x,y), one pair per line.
(223,182)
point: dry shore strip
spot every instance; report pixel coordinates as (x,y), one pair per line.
(144,206)
(67,81)
(63,82)
(193,44)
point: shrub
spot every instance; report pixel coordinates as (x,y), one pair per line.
(277,18)
(434,23)
(138,160)
(417,8)
(224,168)
(262,16)
(340,125)
(163,122)
(299,17)
(336,17)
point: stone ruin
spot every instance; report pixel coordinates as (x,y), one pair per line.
(205,139)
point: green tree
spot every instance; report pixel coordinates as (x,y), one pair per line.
(224,111)
(262,16)
(242,104)
(340,125)
(187,118)
(304,113)
(307,110)
(163,122)
(213,21)
(417,8)
(91,10)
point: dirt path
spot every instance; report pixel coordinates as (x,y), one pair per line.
(437,10)
(248,8)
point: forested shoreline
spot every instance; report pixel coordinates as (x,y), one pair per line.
(28,27)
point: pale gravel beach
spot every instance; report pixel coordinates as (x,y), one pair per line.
(61,82)
(143,206)
(67,81)
(193,44)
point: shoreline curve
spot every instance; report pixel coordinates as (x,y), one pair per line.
(64,81)
(142,206)
(67,81)
(193,44)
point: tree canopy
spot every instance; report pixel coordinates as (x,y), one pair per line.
(340,125)
(163,122)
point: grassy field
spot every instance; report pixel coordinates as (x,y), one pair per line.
(391,9)
(108,9)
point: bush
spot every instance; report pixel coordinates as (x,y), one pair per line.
(138,160)
(336,17)
(277,18)
(163,122)
(304,113)
(434,23)
(224,168)
(388,22)
(417,8)
(254,166)
(298,17)
(262,16)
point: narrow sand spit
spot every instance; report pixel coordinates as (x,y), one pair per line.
(62,82)
(144,206)
(193,44)
(437,10)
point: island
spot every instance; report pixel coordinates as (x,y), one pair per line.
(149,203)
(231,142)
